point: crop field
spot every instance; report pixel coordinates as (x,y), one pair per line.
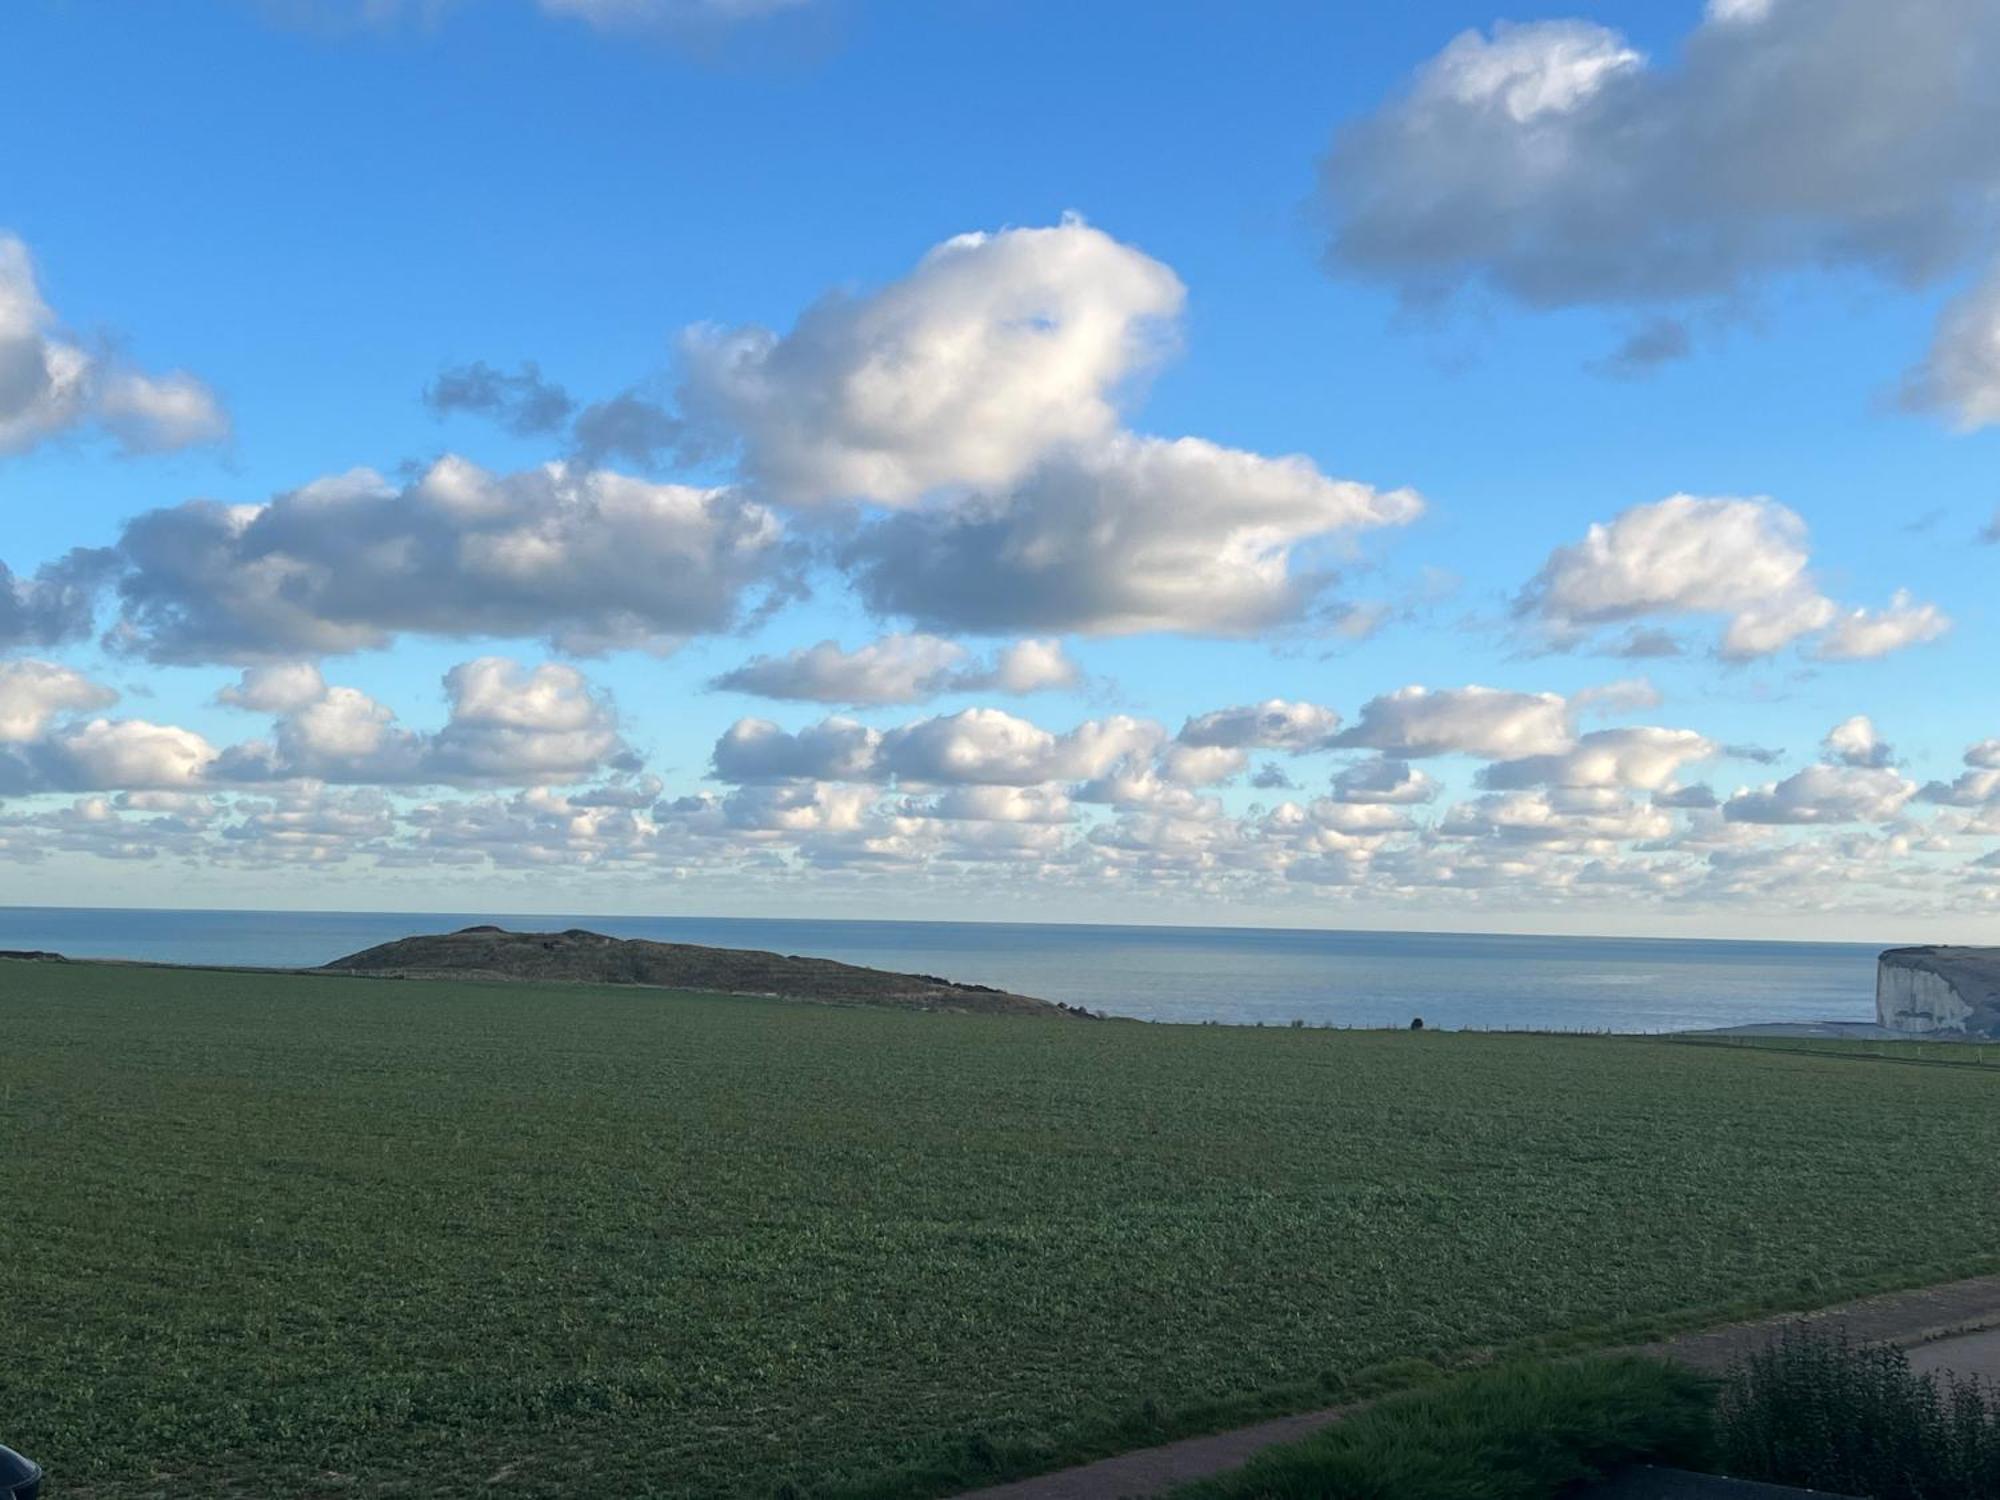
(273,1236)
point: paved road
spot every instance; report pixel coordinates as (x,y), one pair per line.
(1969,1354)
(1954,1326)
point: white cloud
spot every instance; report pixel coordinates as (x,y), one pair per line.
(590,560)
(1381,779)
(1855,742)
(508,724)
(985,745)
(33,693)
(160,413)
(1487,722)
(276,688)
(1554,165)
(1960,376)
(756,750)
(50,386)
(1864,634)
(899,669)
(1746,560)
(1134,534)
(1645,759)
(1824,794)
(1029,666)
(124,753)
(996,350)
(1274,724)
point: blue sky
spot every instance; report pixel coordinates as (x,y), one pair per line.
(278,226)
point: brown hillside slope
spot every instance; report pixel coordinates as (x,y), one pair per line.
(581,957)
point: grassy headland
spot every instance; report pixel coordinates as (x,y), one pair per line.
(302,1236)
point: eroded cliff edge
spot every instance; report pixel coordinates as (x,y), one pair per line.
(1939,990)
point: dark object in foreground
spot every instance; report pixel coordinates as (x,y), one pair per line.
(1416,1023)
(1817,1409)
(20,1477)
(580,957)
(1649,1483)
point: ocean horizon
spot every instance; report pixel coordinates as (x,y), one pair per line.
(1226,975)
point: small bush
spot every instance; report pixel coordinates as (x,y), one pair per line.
(1516,1432)
(1814,1409)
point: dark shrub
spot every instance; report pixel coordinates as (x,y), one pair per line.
(1815,1409)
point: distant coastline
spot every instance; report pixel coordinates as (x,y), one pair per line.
(1232,975)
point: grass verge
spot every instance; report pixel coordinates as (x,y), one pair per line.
(1514,1432)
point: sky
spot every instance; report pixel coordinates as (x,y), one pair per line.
(1271,464)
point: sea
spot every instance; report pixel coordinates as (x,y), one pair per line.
(1228,975)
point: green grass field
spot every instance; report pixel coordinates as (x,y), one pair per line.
(275,1236)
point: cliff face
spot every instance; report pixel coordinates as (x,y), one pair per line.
(1939,990)
(580,957)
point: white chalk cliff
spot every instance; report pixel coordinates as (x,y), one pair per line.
(1950,991)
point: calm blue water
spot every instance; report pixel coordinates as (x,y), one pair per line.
(1157,973)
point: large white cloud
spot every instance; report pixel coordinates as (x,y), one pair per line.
(132,754)
(1745,560)
(1553,163)
(1133,534)
(994,351)
(590,560)
(49,385)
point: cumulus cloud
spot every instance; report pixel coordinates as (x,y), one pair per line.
(756,750)
(976,746)
(899,669)
(588,559)
(1824,794)
(1556,165)
(133,754)
(985,745)
(994,351)
(33,693)
(1135,534)
(1977,787)
(1863,634)
(1855,742)
(49,385)
(1414,722)
(1274,724)
(58,603)
(1960,376)
(1746,560)
(1381,779)
(1647,759)
(275,688)
(507,724)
